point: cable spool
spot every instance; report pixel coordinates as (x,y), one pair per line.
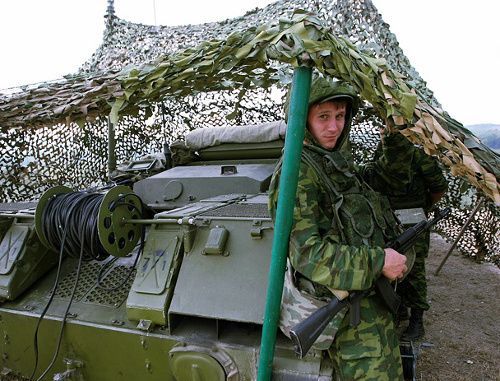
(91,223)
(409,360)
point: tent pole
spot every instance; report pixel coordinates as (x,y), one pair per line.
(297,118)
(460,234)
(111,147)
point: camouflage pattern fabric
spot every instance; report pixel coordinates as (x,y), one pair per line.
(413,289)
(298,302)
(370,351)
(123,170)
(338,243)
(339,230)
(426,178)
(383,173)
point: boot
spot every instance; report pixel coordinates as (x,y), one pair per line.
(401,315)
(415,330)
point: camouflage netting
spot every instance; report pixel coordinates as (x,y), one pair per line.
(156,83)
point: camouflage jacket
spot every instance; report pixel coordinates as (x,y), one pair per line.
(426,177)
(340,226)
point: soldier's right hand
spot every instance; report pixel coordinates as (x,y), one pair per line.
(394,265)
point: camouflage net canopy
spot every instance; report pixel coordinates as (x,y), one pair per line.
(155,83)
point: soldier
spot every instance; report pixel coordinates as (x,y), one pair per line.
(427,186)
(339,229)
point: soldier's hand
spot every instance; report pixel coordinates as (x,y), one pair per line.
(394,265)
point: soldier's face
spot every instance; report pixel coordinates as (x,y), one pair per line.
(326,122)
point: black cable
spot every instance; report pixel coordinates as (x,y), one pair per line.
(65,316)
(81,225)
(52,294)
(70,224)
(63,231)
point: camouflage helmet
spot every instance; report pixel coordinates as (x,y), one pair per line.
(324,89)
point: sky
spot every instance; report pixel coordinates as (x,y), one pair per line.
(454,45)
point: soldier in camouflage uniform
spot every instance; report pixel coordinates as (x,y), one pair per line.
(339,229)
(426,187)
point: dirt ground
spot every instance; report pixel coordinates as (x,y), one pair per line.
(463,323)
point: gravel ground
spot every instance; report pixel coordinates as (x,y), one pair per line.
(463,323)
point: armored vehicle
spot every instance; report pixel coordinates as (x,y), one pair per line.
(182,297)
(164,273)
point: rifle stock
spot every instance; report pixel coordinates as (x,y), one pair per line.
(305,333)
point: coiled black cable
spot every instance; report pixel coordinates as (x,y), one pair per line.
(76,213)
(70,226)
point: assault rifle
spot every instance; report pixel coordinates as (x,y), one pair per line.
(306,332)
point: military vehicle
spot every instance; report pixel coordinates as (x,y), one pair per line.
(197,244)
(166,277)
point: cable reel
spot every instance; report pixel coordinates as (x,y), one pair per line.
(118,238)
(104,214)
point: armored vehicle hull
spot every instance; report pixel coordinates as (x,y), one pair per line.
(187,303)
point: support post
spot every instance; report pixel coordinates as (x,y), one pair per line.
(111,147)
(460,234)
(297,118)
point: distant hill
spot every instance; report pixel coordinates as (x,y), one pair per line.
(488,133)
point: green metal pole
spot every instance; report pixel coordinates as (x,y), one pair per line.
(297,118)
(111,147)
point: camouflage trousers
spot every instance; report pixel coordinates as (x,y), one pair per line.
(413,289)
(370,351)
